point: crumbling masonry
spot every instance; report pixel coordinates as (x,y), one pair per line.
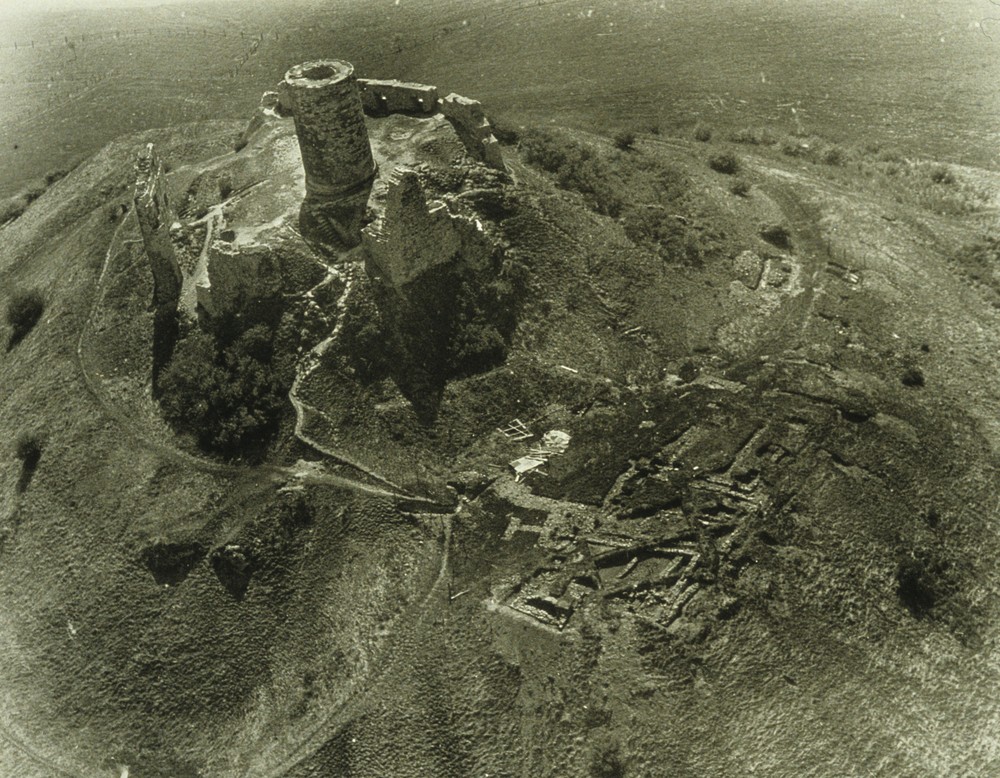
(333,141)
(414,235)
(152,210)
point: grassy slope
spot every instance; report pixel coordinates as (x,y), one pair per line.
(822,672)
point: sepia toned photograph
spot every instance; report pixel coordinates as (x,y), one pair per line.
(499,389)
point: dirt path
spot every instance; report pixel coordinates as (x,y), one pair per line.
(354,706)
(277,474)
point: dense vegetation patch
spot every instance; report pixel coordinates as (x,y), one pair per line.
(24,309)
(651,198)
(226,393)
(725,162)
(454,321)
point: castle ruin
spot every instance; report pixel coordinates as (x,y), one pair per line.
(330,124)
(332,175)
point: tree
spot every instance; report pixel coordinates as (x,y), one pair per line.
(24,309)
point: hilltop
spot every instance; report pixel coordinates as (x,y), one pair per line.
(435,445)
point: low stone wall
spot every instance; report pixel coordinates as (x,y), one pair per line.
(380,98)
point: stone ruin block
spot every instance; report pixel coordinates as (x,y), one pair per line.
(152,209)
(242,275)
(380,98)
(412,235)
(472,126)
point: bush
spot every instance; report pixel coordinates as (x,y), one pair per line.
(740,187)
(606,761)
(776,234)
(726,162)
(833,155)
(24,309)
(794,147)
(924,580)
(912,377)
(702,133)
(28,449)
(940,174)
(625,140)
(229,398)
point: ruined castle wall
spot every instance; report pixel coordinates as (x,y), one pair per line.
(241,275)
(237,276)
(333,140)
(414,236)
(268,110)
(472,126)
(152,209)
(380,98)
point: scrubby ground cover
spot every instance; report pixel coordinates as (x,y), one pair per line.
(790,441)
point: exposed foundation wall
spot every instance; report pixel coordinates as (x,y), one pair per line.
(380,98)
(152,209)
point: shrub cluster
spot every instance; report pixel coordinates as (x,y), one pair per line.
(228,396)
(726,162)
(754,136)
(24,309)
(740,187)
(647,195)
(702,133)
(577,168)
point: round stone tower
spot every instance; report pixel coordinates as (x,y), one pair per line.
(336,154)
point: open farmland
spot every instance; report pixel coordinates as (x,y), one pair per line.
(851,71)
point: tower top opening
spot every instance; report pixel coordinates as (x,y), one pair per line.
(319,72)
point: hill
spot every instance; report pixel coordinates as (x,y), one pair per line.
(629,456)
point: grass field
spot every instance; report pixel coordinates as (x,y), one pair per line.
(920,77)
